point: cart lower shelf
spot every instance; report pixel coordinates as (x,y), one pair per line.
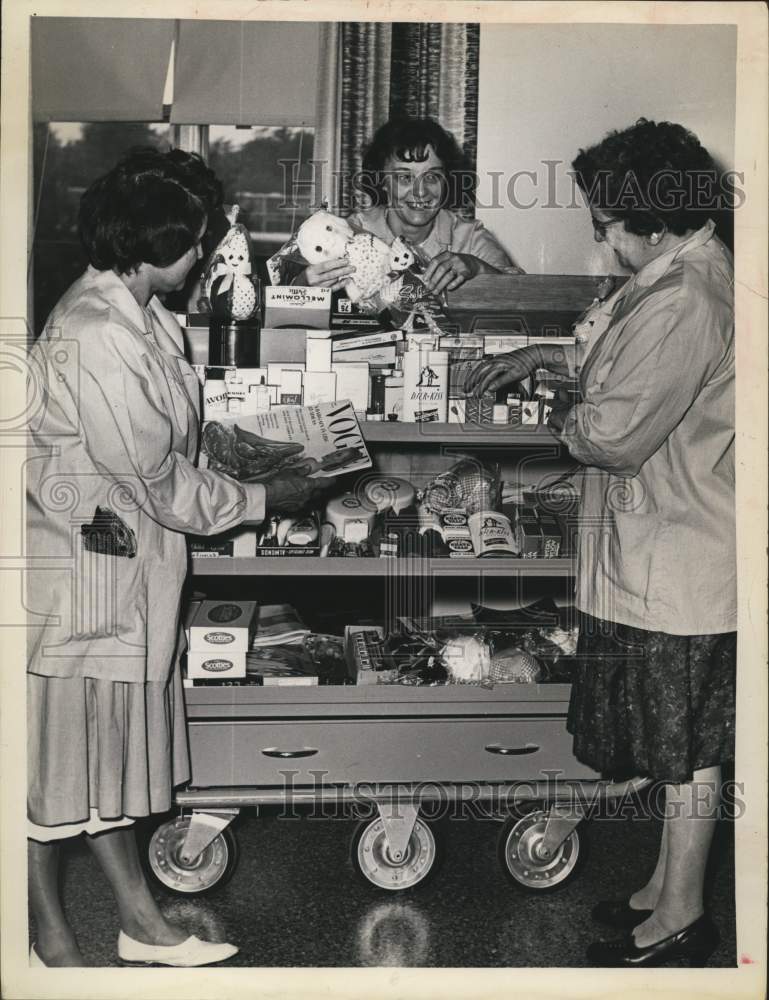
(314,566)
(392,750)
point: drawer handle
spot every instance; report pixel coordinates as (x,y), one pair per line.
(286,754)
(512,751)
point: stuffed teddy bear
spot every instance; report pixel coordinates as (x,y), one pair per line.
(324,237)
(229,291)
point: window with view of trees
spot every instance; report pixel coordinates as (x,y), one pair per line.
(265,170)
(68,156)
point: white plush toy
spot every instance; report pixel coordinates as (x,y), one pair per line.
(325,236)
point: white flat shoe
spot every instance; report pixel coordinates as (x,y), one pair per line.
(35,961)
(187,955)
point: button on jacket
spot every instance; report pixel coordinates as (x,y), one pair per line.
(655,431)
(114,415)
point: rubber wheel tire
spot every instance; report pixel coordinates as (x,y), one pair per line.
(544,876)
(424,837)
(210,872)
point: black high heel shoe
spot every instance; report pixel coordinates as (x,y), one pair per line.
(695,944)
(619,914)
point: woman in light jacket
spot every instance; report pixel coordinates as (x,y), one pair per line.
(113,488)
(654,694)
(414,176)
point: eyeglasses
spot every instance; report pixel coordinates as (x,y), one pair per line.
(599,227)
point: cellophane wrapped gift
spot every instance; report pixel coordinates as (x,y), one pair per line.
(387,277)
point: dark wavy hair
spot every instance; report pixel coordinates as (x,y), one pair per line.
(408,139)
(148,209)
(653,176)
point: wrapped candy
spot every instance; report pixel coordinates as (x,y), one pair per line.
(230,292)
(466,486)
(467,659)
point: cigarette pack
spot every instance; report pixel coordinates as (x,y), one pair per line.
(297,305)
(318,355)
(288,379)
(378,339)
(281,345)
(344,318)
(503,343)
(223,626)
(376,354)
(319,387)
(527,537)
(530,410)
(480,410)
(352,383)
(551,537)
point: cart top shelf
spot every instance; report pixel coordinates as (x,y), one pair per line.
(432,434)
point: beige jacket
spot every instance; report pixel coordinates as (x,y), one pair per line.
(114,414)
(655,431)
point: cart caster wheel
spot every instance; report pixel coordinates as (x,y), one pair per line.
(211,870)
(371,857)
(519,853)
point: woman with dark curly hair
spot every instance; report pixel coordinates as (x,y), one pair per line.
(655,691)
(414,174)
(112,489)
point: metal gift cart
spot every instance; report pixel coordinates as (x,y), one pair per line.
(403,752)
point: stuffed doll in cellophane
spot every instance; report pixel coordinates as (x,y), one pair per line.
(229,290)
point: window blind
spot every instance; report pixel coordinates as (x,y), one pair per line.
(246,73)
(99,68)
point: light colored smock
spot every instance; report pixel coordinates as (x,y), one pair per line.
(114,417)
(450,233)
(655,431)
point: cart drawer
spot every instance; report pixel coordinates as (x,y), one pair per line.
(241,753)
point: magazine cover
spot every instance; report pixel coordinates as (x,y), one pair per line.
(322,440)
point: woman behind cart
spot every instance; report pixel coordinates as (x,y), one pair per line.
(412,170)
(112,489)
(656,589)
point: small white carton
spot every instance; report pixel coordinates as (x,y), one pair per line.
(222,627)
(215,664)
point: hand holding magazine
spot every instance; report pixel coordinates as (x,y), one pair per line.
(318,441)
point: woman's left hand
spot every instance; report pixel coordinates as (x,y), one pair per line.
(558,413)
(449,270)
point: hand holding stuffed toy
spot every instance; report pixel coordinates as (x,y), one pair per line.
(325,237)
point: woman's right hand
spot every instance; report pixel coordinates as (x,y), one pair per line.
(501,370)
(331,274)
(288,492)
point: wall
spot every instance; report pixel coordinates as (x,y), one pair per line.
(546,91)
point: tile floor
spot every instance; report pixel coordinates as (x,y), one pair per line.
(295,900)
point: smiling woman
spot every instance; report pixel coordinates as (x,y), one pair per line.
(414,179)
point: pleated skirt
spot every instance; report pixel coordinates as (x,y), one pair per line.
(652,704)
(115,748)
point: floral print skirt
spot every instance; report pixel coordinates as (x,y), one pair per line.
(652,704)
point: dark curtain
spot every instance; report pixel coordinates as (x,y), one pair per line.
(407,69)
